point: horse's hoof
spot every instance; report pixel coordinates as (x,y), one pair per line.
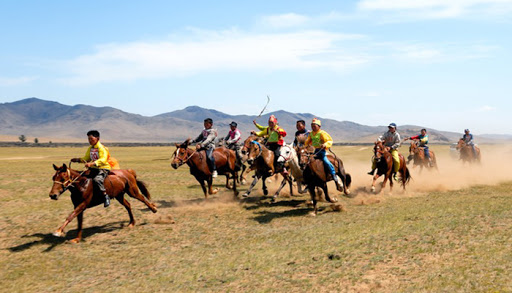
(76,240)
(58,234)
(334,200)
(243,182)
(312,214)
(245,195)
(373,189)
(273,198)
(265,192)
(215,191)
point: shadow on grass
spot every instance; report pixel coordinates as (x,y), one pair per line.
(53,241)
(266,217)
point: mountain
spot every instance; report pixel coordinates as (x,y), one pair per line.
(39,118)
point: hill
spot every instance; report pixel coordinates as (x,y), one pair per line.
(34,117)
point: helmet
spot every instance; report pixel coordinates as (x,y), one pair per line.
(466,130)
(392,125)
(316,121)
(272,118)
(233,123)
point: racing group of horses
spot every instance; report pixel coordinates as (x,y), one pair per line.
(305,169)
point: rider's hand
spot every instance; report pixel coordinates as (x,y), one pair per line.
(198,146)
(89,164)
(253,132)
(324,146)
(388,149)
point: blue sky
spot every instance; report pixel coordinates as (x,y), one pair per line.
(439,64)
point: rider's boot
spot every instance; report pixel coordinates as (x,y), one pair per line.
(394,177)
(107,200)
(430,162)
(371,172)
(339,184)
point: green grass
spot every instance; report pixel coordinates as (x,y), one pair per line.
(454,241)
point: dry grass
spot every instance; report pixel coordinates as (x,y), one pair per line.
(448,233)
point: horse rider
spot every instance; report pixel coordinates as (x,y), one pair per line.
(301,132)
(275,140)
(206,141)
(322,141)
(96,158)
(391,140)
(233,140)
(468,139)
(423,139)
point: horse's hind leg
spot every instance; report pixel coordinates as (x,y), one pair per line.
(133,191)
(235,178)
(128,208)
(256,178)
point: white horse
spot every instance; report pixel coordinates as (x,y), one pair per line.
(288,155)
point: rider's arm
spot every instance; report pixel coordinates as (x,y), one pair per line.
(326,139)
(103,156)
(414,137)
(87,156)
(281,132)
(396,143)
(212,134)
(308,140)
(259,126)
(199,138)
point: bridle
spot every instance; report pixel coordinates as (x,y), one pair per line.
(183,161)
(259,147)
(70,181)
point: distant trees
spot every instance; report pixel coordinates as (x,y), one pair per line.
(22,138)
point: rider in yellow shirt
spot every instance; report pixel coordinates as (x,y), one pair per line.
(96,158)
(322,141)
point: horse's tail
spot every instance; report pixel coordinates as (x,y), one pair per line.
(348,180)
(406,177)
(142,187)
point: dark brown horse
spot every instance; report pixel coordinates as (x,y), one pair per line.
(417,155)
(384,161)
(315,175)
(84,195)
(466,152)
(261,159)
(225,161)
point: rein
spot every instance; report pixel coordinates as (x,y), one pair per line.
(69,182)
(183,161)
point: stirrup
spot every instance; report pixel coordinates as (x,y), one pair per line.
(107,201)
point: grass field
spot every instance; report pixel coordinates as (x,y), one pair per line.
(450,232)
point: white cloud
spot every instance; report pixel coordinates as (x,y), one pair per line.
(15,81)
(439,8)
(205,51)
(486,108)
(284,20)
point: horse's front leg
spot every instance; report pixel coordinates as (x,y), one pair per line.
(256,178)
(79,209)
(375,177)
(203,186)
(80,220)
(327,196)
(283,183)
(210,185)
(235,178)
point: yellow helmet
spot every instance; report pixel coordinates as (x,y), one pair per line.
(316,121)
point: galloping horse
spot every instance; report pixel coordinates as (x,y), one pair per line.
(315,174)
(261,160)
(83,193)
(417,154)
(466,152)
(225,160)
(289,155)
(385,167)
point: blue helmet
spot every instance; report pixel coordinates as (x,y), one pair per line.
(466,130)
(392,125)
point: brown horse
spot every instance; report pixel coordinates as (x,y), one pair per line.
(84,195)
(466,152)
(384,161)
(225,160)
(261,159)
(315,175)
(417,155)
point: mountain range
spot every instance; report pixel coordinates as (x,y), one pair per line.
(34,117)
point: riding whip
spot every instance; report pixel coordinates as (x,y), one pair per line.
(264,108)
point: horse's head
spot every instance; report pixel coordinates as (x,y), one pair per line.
(304,154)
(181,155)
(460,144)
(378,150)
(254,151)
(61,181)
(286,153)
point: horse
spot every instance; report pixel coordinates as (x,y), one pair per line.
(288,154)
(240,162)
(84,195)
(417,155)
(261,160)
(315,175)
(466,152)
(225,160)
(384,161)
